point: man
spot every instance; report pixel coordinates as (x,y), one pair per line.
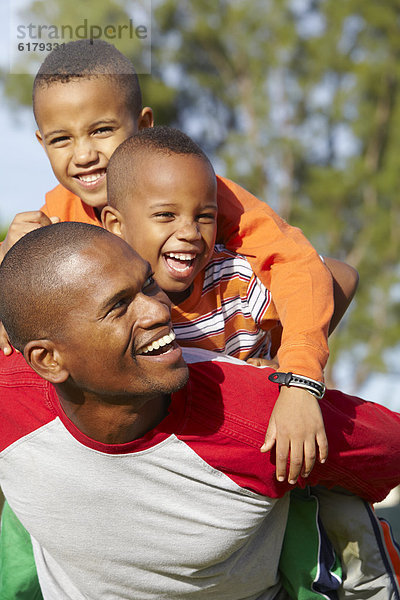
(135,475)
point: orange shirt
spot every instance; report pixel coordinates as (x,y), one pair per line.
(278,253)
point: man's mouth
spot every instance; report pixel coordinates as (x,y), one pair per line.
(181,262)
(91,179)
(161,346)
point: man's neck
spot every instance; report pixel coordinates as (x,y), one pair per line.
(113,420)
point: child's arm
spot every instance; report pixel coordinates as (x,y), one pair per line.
(24,223)
(345,283)
(289,267)
(295,434)
(301,287)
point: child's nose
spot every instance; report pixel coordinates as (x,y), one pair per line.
(189,231)
(84,152)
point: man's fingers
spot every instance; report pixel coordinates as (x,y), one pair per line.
(55,220)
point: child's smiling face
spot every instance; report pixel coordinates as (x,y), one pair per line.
(169,217)
(81,123)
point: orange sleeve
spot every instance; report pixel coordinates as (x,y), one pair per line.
(289,267)
(62,203)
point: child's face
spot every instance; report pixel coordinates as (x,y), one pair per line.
(170,218)
(81,123)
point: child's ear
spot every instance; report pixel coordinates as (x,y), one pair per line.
(145,118)
(112,220)
(39,138)
(43,357)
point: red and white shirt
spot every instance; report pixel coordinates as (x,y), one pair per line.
(190,510)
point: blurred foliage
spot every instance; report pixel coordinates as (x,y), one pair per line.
(297,100)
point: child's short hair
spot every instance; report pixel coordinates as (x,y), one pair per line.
(86,59)
(123,163)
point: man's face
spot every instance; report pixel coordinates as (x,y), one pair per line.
(170,218)
(81,123)
(117,339)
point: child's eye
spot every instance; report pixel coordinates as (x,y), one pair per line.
(59,140)
(104,129)
(206,218)
(164,216)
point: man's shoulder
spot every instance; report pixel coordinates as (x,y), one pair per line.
(231,389)
(15,372)
(25,402)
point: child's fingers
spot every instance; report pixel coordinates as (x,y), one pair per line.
(282,453)
(270,437)
(309,457)
(322,442)
(5,345)
(296,461)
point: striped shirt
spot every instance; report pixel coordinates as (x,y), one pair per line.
(229,309)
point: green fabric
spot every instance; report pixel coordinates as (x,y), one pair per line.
(18,577)
(299,562)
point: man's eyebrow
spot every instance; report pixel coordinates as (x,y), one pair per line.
(111,300)
(122,293)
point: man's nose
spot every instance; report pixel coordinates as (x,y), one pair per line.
(152,311)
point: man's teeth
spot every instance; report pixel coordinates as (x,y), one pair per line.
(181,256)
(164,341)
(91,177)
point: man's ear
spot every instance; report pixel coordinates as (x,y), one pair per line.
(145,118)
(40,139)
(112,220)
(45,359)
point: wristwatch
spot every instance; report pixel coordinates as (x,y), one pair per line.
(316,388)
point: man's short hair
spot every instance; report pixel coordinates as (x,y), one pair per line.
(126,162)
(33,292)
(86,59)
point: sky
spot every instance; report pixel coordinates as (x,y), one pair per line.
(26,176)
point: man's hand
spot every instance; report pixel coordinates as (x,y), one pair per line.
(296,427)
(24,223)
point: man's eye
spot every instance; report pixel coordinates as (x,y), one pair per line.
(149,282)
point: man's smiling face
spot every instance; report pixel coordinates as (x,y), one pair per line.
(117,338)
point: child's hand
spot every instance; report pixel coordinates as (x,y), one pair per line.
(296,427)
(264,362)
(5,345)
(24,223)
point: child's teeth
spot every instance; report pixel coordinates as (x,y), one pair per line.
(90,178)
